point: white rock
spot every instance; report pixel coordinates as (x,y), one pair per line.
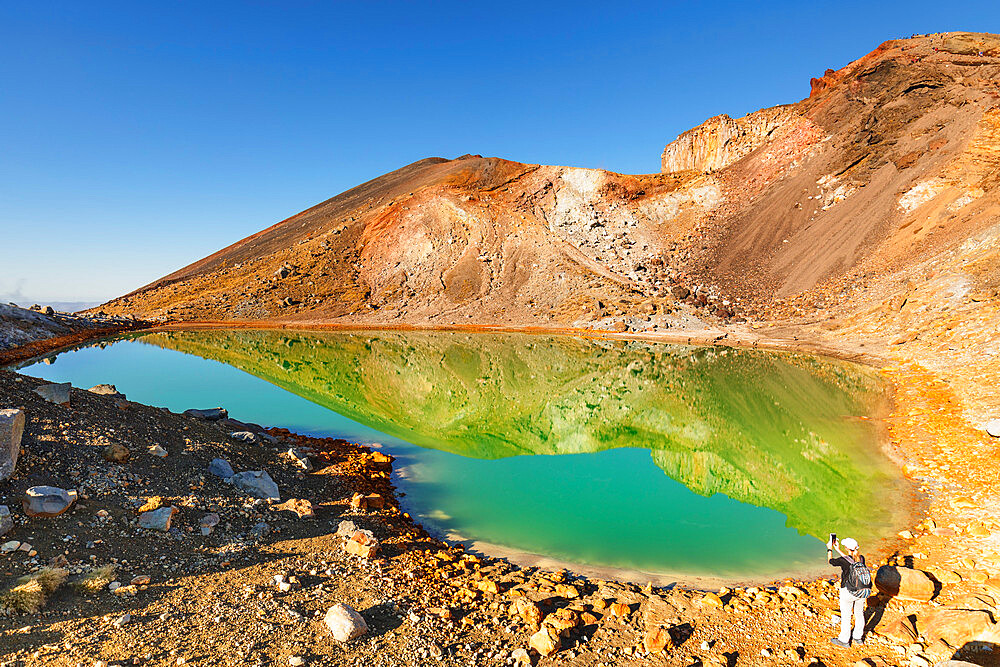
(345,623)
(9,546)
(993,428)
(11,429)
(296,661)
(57,393)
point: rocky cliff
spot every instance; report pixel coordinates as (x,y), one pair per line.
(721,141)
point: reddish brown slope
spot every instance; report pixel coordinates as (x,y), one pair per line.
(890,162)
(836,172)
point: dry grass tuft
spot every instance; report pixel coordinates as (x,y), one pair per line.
(96,580)
(31,592)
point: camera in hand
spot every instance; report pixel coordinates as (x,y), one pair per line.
(833,538)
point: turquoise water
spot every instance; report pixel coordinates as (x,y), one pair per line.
(660,458)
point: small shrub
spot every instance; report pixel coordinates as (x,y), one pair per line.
(96,580)
(31,592)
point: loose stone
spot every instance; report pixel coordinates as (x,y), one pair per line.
(345,623)
(6,522)
(257,483)
(221,468)
(106,390)
(55,393)
(47,501)
(210,414)
(209,522)
(11,429)
(158,519)
(116,453)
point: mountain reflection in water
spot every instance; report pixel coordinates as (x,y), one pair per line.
(785,431)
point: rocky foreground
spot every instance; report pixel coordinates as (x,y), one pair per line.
(139,536)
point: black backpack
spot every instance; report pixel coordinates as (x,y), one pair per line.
(859,579)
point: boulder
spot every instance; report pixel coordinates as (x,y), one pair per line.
(957,627)
(373,501)
(344,623)
(711,600)
(11,429)
(656,639)
(362,543)
(221,468)
(47,501)
(302,508)
(244,436)
(993,428)
(380,461)
(546,641)
(955,663)
(620,610)
(904,582)
(55,393)
(529,612)
(116,453)
(567,591)
(211,414)
(6,523)
(158,519)
(488,586)
(902,631)
(106,390)
(257,483)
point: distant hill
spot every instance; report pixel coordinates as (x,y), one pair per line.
(837,204)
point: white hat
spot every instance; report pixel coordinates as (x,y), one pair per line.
(850,543)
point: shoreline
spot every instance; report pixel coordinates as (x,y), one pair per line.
(916,506)
(448,574)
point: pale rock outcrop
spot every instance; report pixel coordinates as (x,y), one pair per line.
(11,429)
(721,140)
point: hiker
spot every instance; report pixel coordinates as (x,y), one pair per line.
(855,587)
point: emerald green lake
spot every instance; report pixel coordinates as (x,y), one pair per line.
(658,458)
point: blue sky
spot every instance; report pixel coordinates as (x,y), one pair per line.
(138,137)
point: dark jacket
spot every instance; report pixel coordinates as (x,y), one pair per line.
(844,563)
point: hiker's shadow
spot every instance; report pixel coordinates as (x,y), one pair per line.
(875,611)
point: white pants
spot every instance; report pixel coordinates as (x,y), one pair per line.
(850,605)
